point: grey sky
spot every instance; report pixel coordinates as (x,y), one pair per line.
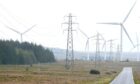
(48,15)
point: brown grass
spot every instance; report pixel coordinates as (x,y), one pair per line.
(56,73)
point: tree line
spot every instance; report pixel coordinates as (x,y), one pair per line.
(14,52)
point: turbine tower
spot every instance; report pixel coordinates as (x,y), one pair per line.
(104,44)
(118,53)
(104,50)
(121,24)
(87,43)
(137,47)
(70,51)
(21,33)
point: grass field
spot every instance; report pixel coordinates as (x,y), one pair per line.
(55,73)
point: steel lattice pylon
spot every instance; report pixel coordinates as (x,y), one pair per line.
(69,51)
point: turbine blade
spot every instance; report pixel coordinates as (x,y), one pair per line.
(29,29)
(92,36)
(12,29)
(83,33)
(128,35)
(102,36)
(109,23)
(129,12)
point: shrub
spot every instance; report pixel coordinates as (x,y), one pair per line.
(108,73)
(113,71)
(93,71)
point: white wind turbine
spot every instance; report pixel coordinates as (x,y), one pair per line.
(87,43)
(121,24)
(21,33)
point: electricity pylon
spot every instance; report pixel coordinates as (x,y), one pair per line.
(111,49)
(97,53)
(69,52)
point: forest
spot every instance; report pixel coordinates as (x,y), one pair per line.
(14,52)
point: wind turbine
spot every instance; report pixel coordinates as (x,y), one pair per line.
(121,24)
(87,42)
(21,33)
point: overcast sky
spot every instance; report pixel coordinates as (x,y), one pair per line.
(49,14)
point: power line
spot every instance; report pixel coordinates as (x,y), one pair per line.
(13,17)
